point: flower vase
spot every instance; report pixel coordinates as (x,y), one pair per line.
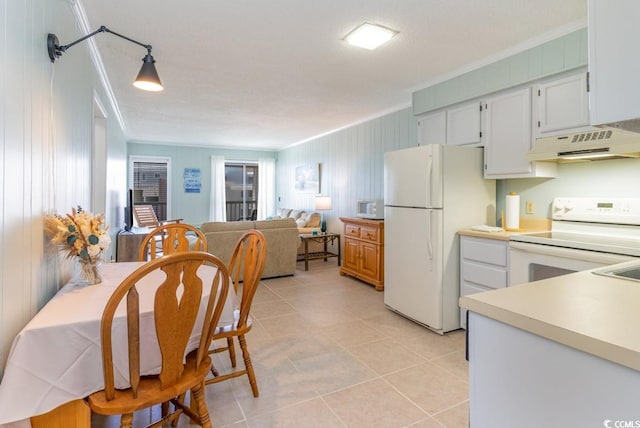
(89,273)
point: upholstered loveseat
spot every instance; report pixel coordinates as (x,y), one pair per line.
(307,222)
(282,238)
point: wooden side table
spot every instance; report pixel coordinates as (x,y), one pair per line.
(323,238)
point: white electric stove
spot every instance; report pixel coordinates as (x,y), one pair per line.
(586,233)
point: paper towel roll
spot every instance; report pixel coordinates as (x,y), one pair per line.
(512,208)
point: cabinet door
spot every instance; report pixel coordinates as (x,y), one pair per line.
(508,118)
(350,258)
(370,260)
(562,104)
(432,128)
(463,124)
(613,61)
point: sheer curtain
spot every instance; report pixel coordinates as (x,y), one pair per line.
(266,187)
(218,202)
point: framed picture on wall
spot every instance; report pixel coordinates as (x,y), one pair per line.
(307,179)
(192,181)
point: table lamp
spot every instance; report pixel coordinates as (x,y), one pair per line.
(323,203)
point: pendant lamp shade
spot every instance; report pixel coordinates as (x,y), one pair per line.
(148,79)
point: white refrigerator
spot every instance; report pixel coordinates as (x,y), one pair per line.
(431,192)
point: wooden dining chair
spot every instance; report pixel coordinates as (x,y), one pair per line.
(174,319)
(246,265)
(171,238)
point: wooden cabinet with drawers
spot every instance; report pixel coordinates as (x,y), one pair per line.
(363,255)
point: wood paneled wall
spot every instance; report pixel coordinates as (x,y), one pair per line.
(351,164)
(45,152)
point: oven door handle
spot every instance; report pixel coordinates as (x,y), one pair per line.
(584,255)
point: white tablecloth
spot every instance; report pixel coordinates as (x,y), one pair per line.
(57,357)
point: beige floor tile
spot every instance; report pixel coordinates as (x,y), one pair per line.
(430,345)
(270,309)
(428,423)
(332,371)
(288,325)
(386,356)
(455,417)
(277,391)
(264,294)
(353,333)
(373,404)
(454,363)
(310,414)
(432,388)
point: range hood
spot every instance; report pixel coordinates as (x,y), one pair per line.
(605,142)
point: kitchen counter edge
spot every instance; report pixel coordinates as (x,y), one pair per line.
(588,312)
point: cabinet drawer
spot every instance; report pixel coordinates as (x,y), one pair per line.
(484,250)
(352,230)
(486,275)
(369,234)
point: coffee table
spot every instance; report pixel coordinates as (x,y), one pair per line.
(323,238)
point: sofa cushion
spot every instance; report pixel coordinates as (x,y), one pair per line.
(295,214)
(284,212)
(312,219)
(279,223)
(223,226)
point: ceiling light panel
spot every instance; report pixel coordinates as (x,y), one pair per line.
(369,36)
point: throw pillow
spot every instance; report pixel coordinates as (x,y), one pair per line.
(301,222)
(284,212)
(295,214)
(313,219)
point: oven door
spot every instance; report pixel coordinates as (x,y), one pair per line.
(533,262)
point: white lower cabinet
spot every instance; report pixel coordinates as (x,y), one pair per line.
(484,266)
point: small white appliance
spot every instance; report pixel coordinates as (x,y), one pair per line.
(430,192)
(373,209)
(586,233)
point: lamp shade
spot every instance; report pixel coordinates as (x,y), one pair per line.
(323,202)
(148,78)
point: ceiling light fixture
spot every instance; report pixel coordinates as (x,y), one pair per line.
(147,79)
(369,36)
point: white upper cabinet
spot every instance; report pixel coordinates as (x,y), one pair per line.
(614,65)
(508,137)
(432,128)
(562,104)
(463,124)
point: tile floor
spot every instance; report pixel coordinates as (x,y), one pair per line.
(328,354)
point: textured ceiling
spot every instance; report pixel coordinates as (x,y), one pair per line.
(268,74)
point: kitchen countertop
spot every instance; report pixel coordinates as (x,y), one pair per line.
(526,225)
(588,312)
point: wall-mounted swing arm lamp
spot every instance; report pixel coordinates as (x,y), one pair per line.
(147,79)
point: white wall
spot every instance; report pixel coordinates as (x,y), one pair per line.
(46,116)
(351,162)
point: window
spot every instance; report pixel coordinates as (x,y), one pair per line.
(241,190)
(150,182)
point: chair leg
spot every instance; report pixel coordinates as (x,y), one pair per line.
(181,398)
(248,365)
(232,351)
(126,420)
(197,394)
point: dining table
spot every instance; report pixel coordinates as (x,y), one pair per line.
(56,360)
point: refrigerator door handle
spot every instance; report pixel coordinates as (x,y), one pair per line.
(429,244)
(429,185)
